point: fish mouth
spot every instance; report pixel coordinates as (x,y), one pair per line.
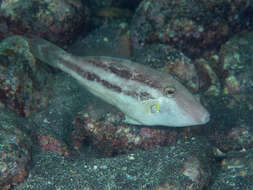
(205,118)
(198,116)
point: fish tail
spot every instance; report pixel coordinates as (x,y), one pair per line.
(46,51)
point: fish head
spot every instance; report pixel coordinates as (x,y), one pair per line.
(174,106)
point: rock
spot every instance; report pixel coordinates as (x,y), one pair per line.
(24,84)
(190,26)
(236,75)
(237,64)
(48,142)
(15,150)
(106,132)
(57,21)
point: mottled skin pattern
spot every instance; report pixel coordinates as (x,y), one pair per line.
(146,96)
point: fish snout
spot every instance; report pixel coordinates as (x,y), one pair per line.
(205,118)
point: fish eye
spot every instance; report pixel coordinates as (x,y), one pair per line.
(169,91)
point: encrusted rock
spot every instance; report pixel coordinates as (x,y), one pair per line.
(191,26)
(24,84)
(57,21)
(15,147)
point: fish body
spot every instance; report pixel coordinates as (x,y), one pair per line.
(146,96)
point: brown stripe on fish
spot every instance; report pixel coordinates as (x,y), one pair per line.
(124,73)
(94,77)
(90,76)
(120,72)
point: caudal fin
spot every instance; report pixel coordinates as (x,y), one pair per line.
(46,51)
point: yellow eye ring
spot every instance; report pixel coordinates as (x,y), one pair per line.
(169,91)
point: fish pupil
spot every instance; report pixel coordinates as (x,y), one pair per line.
(169,91)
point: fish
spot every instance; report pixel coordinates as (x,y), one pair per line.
(144,95)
